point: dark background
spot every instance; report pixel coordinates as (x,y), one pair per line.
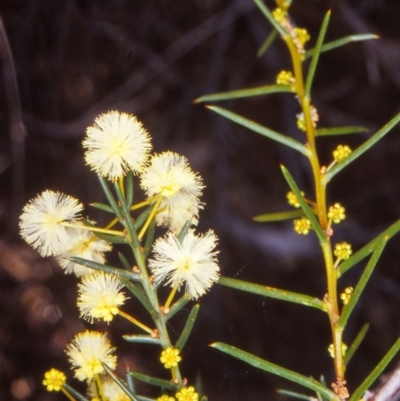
(75,59)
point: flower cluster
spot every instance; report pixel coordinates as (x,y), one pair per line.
(336,213)
(341,153)
(301,122)
(342,251)
(285,78)
(115,145)
(302,225)
(331,350)
(346,295)
(292,199)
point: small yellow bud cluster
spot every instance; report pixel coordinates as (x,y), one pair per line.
(342,251)
(336,213)
(165,398)
(279,15)
(187,394)
(170,357)
(302,225)
(346,295)
(292,199)
(341,153)
(53,380)
(301,35)
(285,78)
(331,350)
(301,123)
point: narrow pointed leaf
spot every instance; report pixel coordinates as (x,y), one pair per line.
(113,239)
(129,189)
(306,209)
(291,214)
(253,126)
(110,197)
(184,230)
(356,343)
(267,43)
(120,383)
(368,249)
(104,268)
(154,381)
(102,206)
(242,93)
(134,338)
(347,309)
(127,218)
(124,261)
(188,327)
(141,219)
(363,148)
(267,13)
(139,294)
(340,130)
(276,370)
(74,393)
(367,383)
(270,292)
(149,238)
(292,394)
(341,42)
(130,383)
(317,52)
(177,306)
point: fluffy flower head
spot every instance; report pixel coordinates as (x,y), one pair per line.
(115,144)
(342,250)
(87,351)
(111,390)
(86,245)
(193,261)
(170,177)
(302,225)
(40,222)
(53,380)
(99,296)
(336,213)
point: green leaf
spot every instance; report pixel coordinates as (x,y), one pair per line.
(361,149)
(184,230)
(120,383)
(368,249)
(264,9)
(307,210)
(154,381)
(110,197)
(291,214)
(102,206)
(267,43)
(188,327)
(276,370)
(347,309)
(270,292)
(113,239)
(135,289)
(127,218)
(129,189)
(317,52)
(341,42)
(74,393)
(177,306)
(106,269)
(129,382)
(292,394)
(356,343)
(367,383)
(149,238)
(340,130)
(124,261)
(291,143)
(135,338)
(141,219)
(242,93)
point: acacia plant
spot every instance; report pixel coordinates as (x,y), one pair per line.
(315,212)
